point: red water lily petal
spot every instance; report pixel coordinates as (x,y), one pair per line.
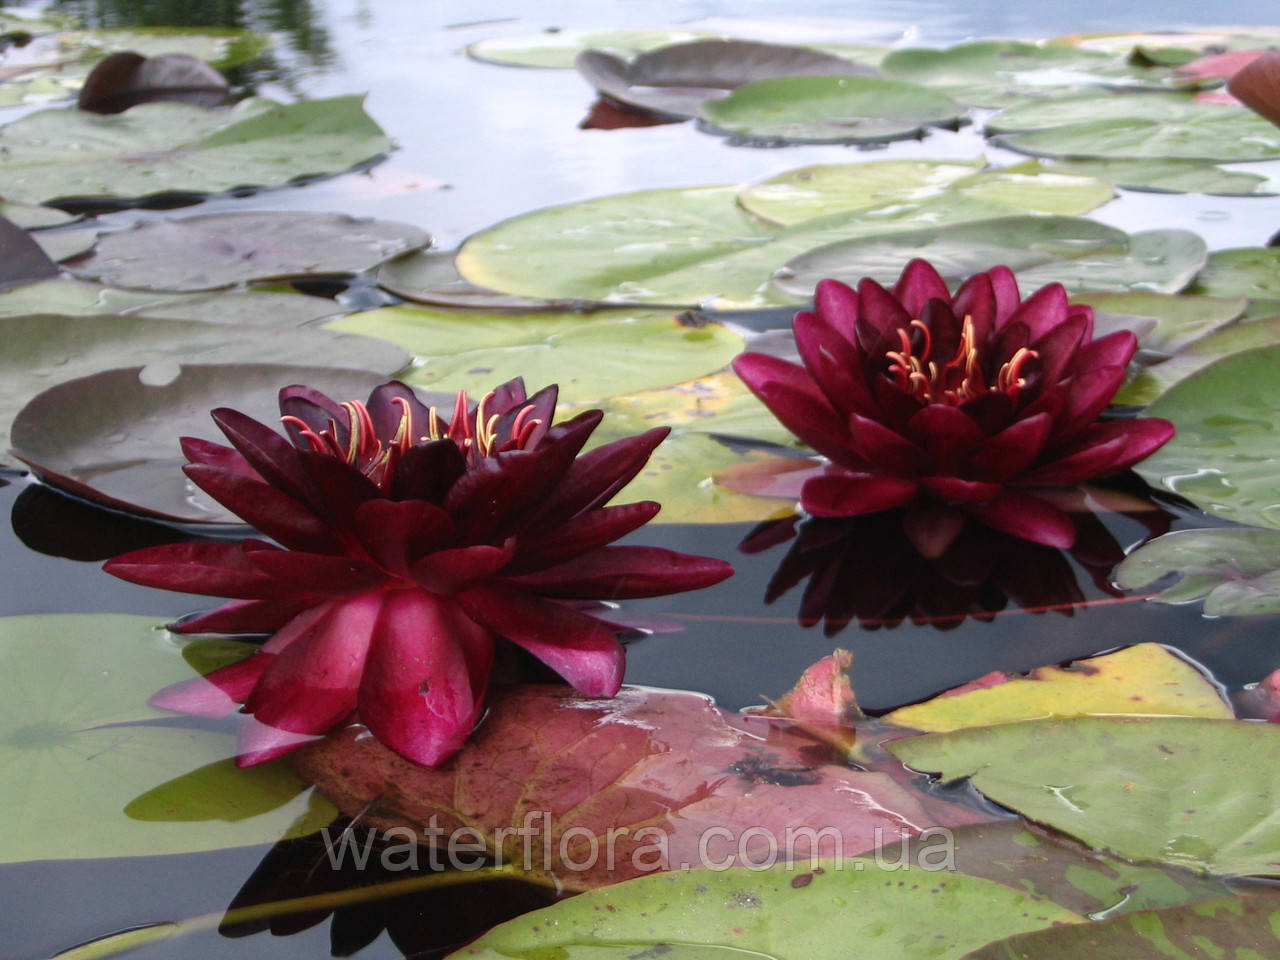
(315,410)
(424,680)
(1115,349)
(1057,349)
(541,410)
(593,478)
(1011,450)
(1257,86)
(879,317)
(835,364)
(388,404)
(811,419)
(956,490)
(273,457)
(947,434)
(211,569)
(265,508)
(321,574)
(580,535)
(887,450)
(621,573)
(427,471)
(1089,394)
(247,616)
(217,694)
(838,305)
(578,647)
(1042,311)
(773,477)
(1005,288)
(396,532)
(216,455)
(1103,449)
(976,299)
(932,527)
(1028,517)
(849,494)
(448,571)
(918,284)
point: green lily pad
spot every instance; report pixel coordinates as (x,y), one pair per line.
(680,247)
(32,217)
(1149,125)
(1235,571)
(1080,254)
(1181,319)
(86,778)
(591,357)
(1154,381)
(160,148)
(61,245)
(992,73)
(1225,457)
(1224,927)
(830,110)
(1165,789)
(74,297)
(36,88)
(430,276)
(558,48)
(220,47)
(225,249)
(1252,272)
(809,192)
(780,914)
(1082,880)
(1168,175)
(43,349)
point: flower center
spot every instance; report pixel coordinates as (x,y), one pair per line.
(959,379)
(476,435)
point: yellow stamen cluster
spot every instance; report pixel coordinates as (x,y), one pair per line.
(958,380)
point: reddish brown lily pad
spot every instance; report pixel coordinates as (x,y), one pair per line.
(654,771)
(126,79)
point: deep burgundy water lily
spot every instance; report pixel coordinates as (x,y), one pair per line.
(406,545)
(953,406)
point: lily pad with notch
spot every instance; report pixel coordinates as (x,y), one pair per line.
(176,148)
(677,80)
(830,110)
(225,249)
(112,437)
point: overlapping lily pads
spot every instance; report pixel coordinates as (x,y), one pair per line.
(1181,319)
(1167,175)
(1080,254)
(1225,457)
(780,914)
(160,148)
(1252,272)
(1145,788)
(1152,382)
(558,48)
(1235,571)
(112,437)
(87,777)
(830,110)
(1149,125)
(225,249)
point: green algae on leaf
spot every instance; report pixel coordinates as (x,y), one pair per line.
(1225,457)
(224,249)
(1143,788)
(830,110)
(88,778)
(590,356)
(809,912)
(1236,571)
(160,148)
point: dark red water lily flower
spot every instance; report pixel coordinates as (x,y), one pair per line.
(405,545)
(952,406)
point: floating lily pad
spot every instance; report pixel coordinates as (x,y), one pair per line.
(1181,319)
(830,110)
(220,47)
(1153,381)
(781,914)
(1143,679)
(1145,788)
(680,247)
(1080,254)
(430,276)
(1149,125)
(35,89)
(1222,927)
(1225,457)
(676,80)
(159,148)
(1166,175)
(1235,571)
(1082,880)
(1252,272)
(113,437)
(32,217)
(558,48)
(225,249)
(66,296)
(809,192)
(992,73)
(61,245)
(126,79)
(591,357)
(86,777)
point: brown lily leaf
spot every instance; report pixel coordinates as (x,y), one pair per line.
(126,79)
(822,702)
(586,792)
(22,260)
(1257,86)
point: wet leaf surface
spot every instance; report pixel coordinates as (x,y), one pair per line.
(224,249)
(87,779)
(1235,571)
(830,110)
(775,914)
(1170,790)
(659,768)
(1143,679)
(1224,457)
(121,449)
(187,149)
